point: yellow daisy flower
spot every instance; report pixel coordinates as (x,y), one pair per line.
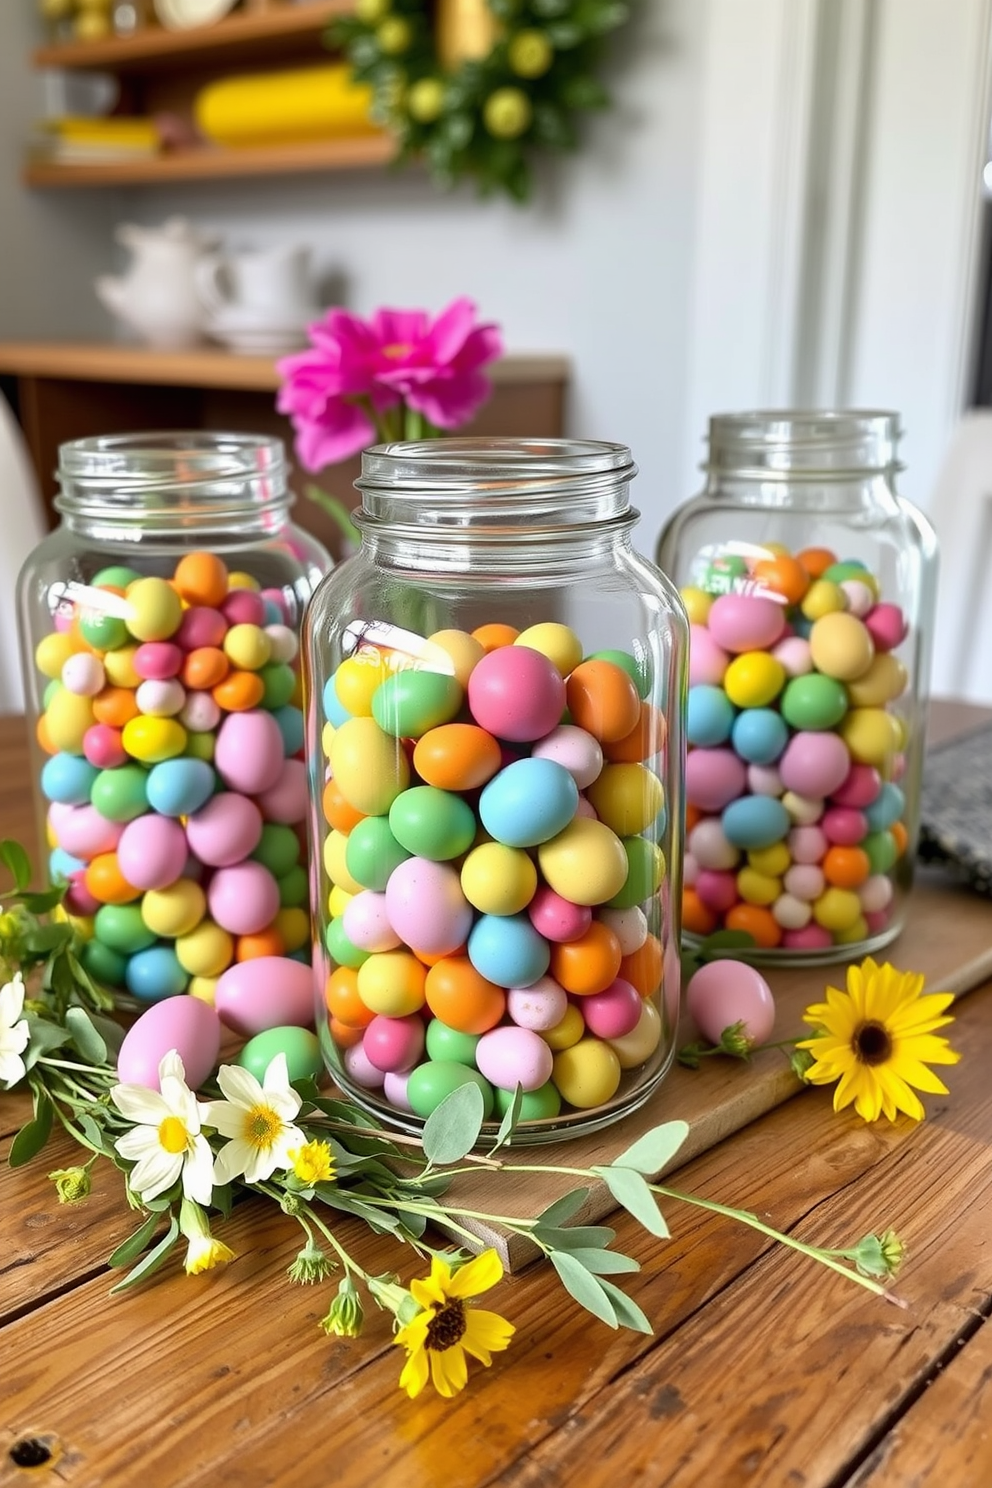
(876,1040)
(446,1329)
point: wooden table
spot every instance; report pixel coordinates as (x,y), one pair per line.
(764,1368)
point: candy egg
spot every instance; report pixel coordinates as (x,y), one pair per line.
(507,950)
(154,974)
(726,992)
(557,642)
(841,646)
(248,755)
(185,1024)
(714,778)
(152,851)
(575,749)
(456,756)
(152,740)
(392,983)
(179,787)
(286,801)
(603,700)
(394,1044)
(268,992)
(529,802)
(587,1073)
(121,794)
(427,907)
(627,798)
(556,918)
(633,1048)
(410,703)
(516,693)
(432,823)
(154,610)
(360,1070)
(540,1006)
(613,1012)
(815,764)
(497,879)
(172,911)
(745,622)
(299,1046)
(586,863)
(243,899)
(83,832)
(369,765)
(83,674)
(429,1084)
(225,830)
(512,1056)
(201,578)
(461,997)
(68,778)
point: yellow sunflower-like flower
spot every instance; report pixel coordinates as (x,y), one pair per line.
(438,1338)
(876,1040)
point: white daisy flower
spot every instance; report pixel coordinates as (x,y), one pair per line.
(166,1140)
(14,1032)
(258,1119)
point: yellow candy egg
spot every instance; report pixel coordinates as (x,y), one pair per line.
(882,683)
(837,910)
(774,860)
(206,951)
(498,880)
(462,649)
(634,1047)
(369,765)
(392,983)
(119,667)
(294,927)
(698,604)
(155,610)
(758,888)
(152,740)
(557,642)
(338,900)
(201,746)
(175,910)
(335,846)
(841,646)
(823,598)
(872,735)
(53,651)
(567,1032)
(205,988)
(587,1074)
(754,679)
(239,580)
(326,736)
(586,863)
(67,718)
(248,647)
(858,931)
(357,678)
(627,798)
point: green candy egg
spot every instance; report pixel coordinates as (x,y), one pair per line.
(200,746)
(881,849)
(432,823)
(121,794)
(103,964)
(535,1105)
(813,702)
(429,1084)
(279,681)
(55,686)
(344,951)
(300,1046)
(372,852)
(293,888)
(645,871)
(409,703)
(117,576)
(278,849)
(121,927)
(636,671)
(106,632)
(447,1045)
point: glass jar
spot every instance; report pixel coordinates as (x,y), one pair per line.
(810,585)
(160,634)
(494,722)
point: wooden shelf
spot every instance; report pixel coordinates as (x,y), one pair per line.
(211,163)
(240,37)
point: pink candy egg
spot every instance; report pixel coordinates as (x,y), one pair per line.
(225,830)
(576,750)
(860,787)
(516,693)
(717,889)
(186,1024)
(844,825)
(266,992)
(200,713)
(366,922)
(78,899)
(426,906)
(810,938)
(244,899)
(613,1012)
(200,626)
(509,1057)
(394,1044)
(722,993)
(84,833)
(156,661)
(394,1089)
(764,780)
(806,844)
(876,893)
(152,852)
(814,764)
(804,881)
(360,1070)
(539,1007)
(793,653)
(714,778)
(102,747)
(745,622)
(244,607)
(83,674)
(286,801)
(887,626)
(707,661)
(556,918)
(248,753)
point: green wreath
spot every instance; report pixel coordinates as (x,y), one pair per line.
(485,118)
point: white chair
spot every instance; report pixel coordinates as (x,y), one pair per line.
(961,512)
(22,526)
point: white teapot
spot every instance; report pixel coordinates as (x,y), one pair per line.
(158,297)
(264,297)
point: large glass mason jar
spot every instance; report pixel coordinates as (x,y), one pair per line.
(160,636)
(810,585)
(495,696)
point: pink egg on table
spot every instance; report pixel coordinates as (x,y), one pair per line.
(613,1012)
(516,693)
(200,713)
(844,826)
(764,780)
(804,881)
(711,847)
(717,889)
(266,992)
(102,747)
(225,830)
(186,1024)
(243,607)
(360,1070)
(394,1044)
(806,844)
(793,652)
(426,906)
(156,661)
(540,1006)
(714,778)
(745,622)
(860,787)
(152,851)
(244,899)
(200,626)
(161,699)
(512,1056)
(723,993)
(248,753)
(394,1089)
(814,763)
(887,626)
(84,833)
(630,926)
(575,749)
(286,801)
(810,938)
(83,674)
(708,662)
(556,918)
(366,922)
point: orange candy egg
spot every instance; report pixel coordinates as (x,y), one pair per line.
(697,917)
(643,742)
(588,964)
(901,836)
(263,943)
(757,922)
(846,867)
(492,637)
(462,998)
(344,1036)
(338,812)
(44,737)
(204,668)
(643,967)
(784,576)
(816,561)
(456,756)
(344,1002)
(238,692)
(201,579)
(105,881)
(116,706)
(603,700)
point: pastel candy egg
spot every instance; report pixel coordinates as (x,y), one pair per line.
(360,1070)
(512,1056)
(83,832)
(860,787)
(726,992)
(708,661)
(555,641)
(103,747)
(286,800)
(151,740)
(636,667)
(566,1033)
(755,821)
(247,647)
(225,830)
(154,610)
(442,1042)
(179,787)
(248,754)
(121,794)
(497,879)
(535,1105)
(152,851)
(507,950)
(155,974)
(710,847)
(876,893)
(860,596)
(803,810)
(158,660)
(394,1044)
(300,1048)
(201,625)
(244,899)
(714,778)
(793,652)
(529,802)
(634,1048)
(83,674)
(754,679)
(645,871)
(172,911)
(370,766)
(841,646)
(844,826)
(430,1083)
(556,918)
(810,938)
(432,823)
(516,693)
(791,912)
(630,927)
(426,906)
(887,626)
(394,1085)
(392,983)
(814,702)
(68,779)
(367,925)
(185,1024)
(603,699)
(266,992)
(410,703)
(372,852)
(814,764)
(461,998)
(290,721)
(540,1006)
(873,737)
(717,889)
(201,578)
(807,844)
(823,597)
(456,756)
(764,780)
(67,718)
(52,652)
(587,1073)
(283,644)
(613,1012)
(884,681)
(575,750)
(759,735)
(586,863)
(627,798)
(161,699)
(122,927)
(745,622)
(243,606)
(709,716)
(886,809)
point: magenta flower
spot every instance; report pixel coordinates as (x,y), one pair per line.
(359,376)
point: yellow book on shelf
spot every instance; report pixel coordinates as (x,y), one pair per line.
(307,103)
(133,132)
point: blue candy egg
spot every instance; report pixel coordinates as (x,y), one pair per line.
(759,735)
(155,974)
(709,716)
(68,779)
(63,865)
(507,950)
(290,721)
(335,711)
(887,807)
(755,821)
(178,787)
(529,802)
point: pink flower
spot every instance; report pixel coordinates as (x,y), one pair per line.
(341,392)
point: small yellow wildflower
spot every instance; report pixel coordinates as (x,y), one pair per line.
(438,1338)
(312,1163)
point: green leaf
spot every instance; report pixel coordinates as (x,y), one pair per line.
(152,1261)
(32,1137)
(47,938)
(110,1031)
(135,1244)
(41,901)
(629,1315)
(42,1038)
(508,1124)
(630,1190)
(650,1153)
(16,860)
(605,1262)
(452,1129)
(85,1037)
(584,1287)
(724,943)
(563,1208)
(575,1237)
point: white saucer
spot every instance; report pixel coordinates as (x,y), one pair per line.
(260,342)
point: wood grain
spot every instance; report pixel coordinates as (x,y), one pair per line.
(214,163)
